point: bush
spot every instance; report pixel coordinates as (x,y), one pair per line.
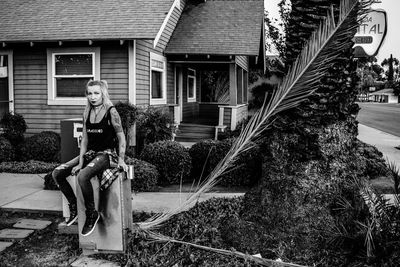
(49,183)
(152,126)
(7,152)
(30,166)
(128,114)
(14,127)
(146,175)
(247,168)
(374,163)
(171,159)
(44,146)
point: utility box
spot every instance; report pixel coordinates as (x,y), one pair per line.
(71,136)
(113,204)
(115,208)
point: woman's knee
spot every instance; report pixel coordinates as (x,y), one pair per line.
(83,177)
(60,173)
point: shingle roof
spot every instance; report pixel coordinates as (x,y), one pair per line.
(219,27)
(46,20)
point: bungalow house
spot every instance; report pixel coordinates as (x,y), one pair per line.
(191,58)
(384,96)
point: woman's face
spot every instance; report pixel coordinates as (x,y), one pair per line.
(94,95)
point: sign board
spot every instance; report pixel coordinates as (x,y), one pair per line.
(3,72)
(370,34)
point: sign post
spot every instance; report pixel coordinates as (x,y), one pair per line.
(370,34)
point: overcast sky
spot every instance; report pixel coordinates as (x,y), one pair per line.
(391,44)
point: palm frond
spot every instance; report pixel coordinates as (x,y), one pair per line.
(259,261)
(318,55)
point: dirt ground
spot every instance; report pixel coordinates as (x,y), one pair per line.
(42,248)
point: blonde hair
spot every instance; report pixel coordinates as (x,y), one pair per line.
(104,95)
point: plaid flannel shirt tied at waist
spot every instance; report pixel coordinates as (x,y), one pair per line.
(109,175)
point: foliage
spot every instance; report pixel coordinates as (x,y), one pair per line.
(7,152)
(44,146)
(49,183)
(145,177)
(207,154)
(374,162)
(392,73)
(216,84)
(30,166)
(171,159)
(152,126)
(14,127)
(128,114)
(259,92)
(201,224)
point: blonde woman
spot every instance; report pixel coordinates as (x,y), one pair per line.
(103,145)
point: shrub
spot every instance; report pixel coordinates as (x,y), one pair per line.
(14,127)
(49,183)
(146,175)
(374,163)
(246,170)
(7,152)
(171,159)
(152,126)
(128,114)
(44,146)
(30,166)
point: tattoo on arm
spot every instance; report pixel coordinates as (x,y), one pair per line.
(121,145)
(116,121)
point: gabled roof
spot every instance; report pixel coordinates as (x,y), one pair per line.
(219,27)
(387,91)
(48,20)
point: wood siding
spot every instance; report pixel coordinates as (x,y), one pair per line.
(30,85)
(242,113)
(143,49)
(243,62)
(227,116)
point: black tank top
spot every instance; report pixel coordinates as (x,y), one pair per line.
(101,135)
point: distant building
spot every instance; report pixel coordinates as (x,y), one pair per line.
(384,96)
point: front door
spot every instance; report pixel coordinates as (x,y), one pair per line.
(6,83)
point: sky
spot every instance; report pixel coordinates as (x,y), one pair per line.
(391,44)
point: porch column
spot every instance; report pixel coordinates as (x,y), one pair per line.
(232,85)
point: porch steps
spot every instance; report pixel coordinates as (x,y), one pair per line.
(189,132)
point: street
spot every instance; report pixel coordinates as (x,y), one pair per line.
(381,116)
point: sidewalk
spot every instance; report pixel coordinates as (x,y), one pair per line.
(384,142)
(24,192)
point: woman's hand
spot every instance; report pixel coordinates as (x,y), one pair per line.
(122,165)
(76,169)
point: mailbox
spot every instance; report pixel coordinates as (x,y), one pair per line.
(71,135)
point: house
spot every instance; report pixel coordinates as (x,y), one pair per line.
(384,96)
(190,58)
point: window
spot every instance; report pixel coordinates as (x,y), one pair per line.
(69,69)
(191,85)
(157,80)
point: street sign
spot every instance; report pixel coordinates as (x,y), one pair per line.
(370,34)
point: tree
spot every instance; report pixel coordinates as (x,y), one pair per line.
(393,70)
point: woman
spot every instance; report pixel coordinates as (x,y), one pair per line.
(102,146)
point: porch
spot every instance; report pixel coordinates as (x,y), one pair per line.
(210,93)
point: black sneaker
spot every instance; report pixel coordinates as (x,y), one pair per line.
(73,214)
(92,218)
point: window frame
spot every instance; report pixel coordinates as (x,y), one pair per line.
(191,99)
(52,98)
(163,100)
